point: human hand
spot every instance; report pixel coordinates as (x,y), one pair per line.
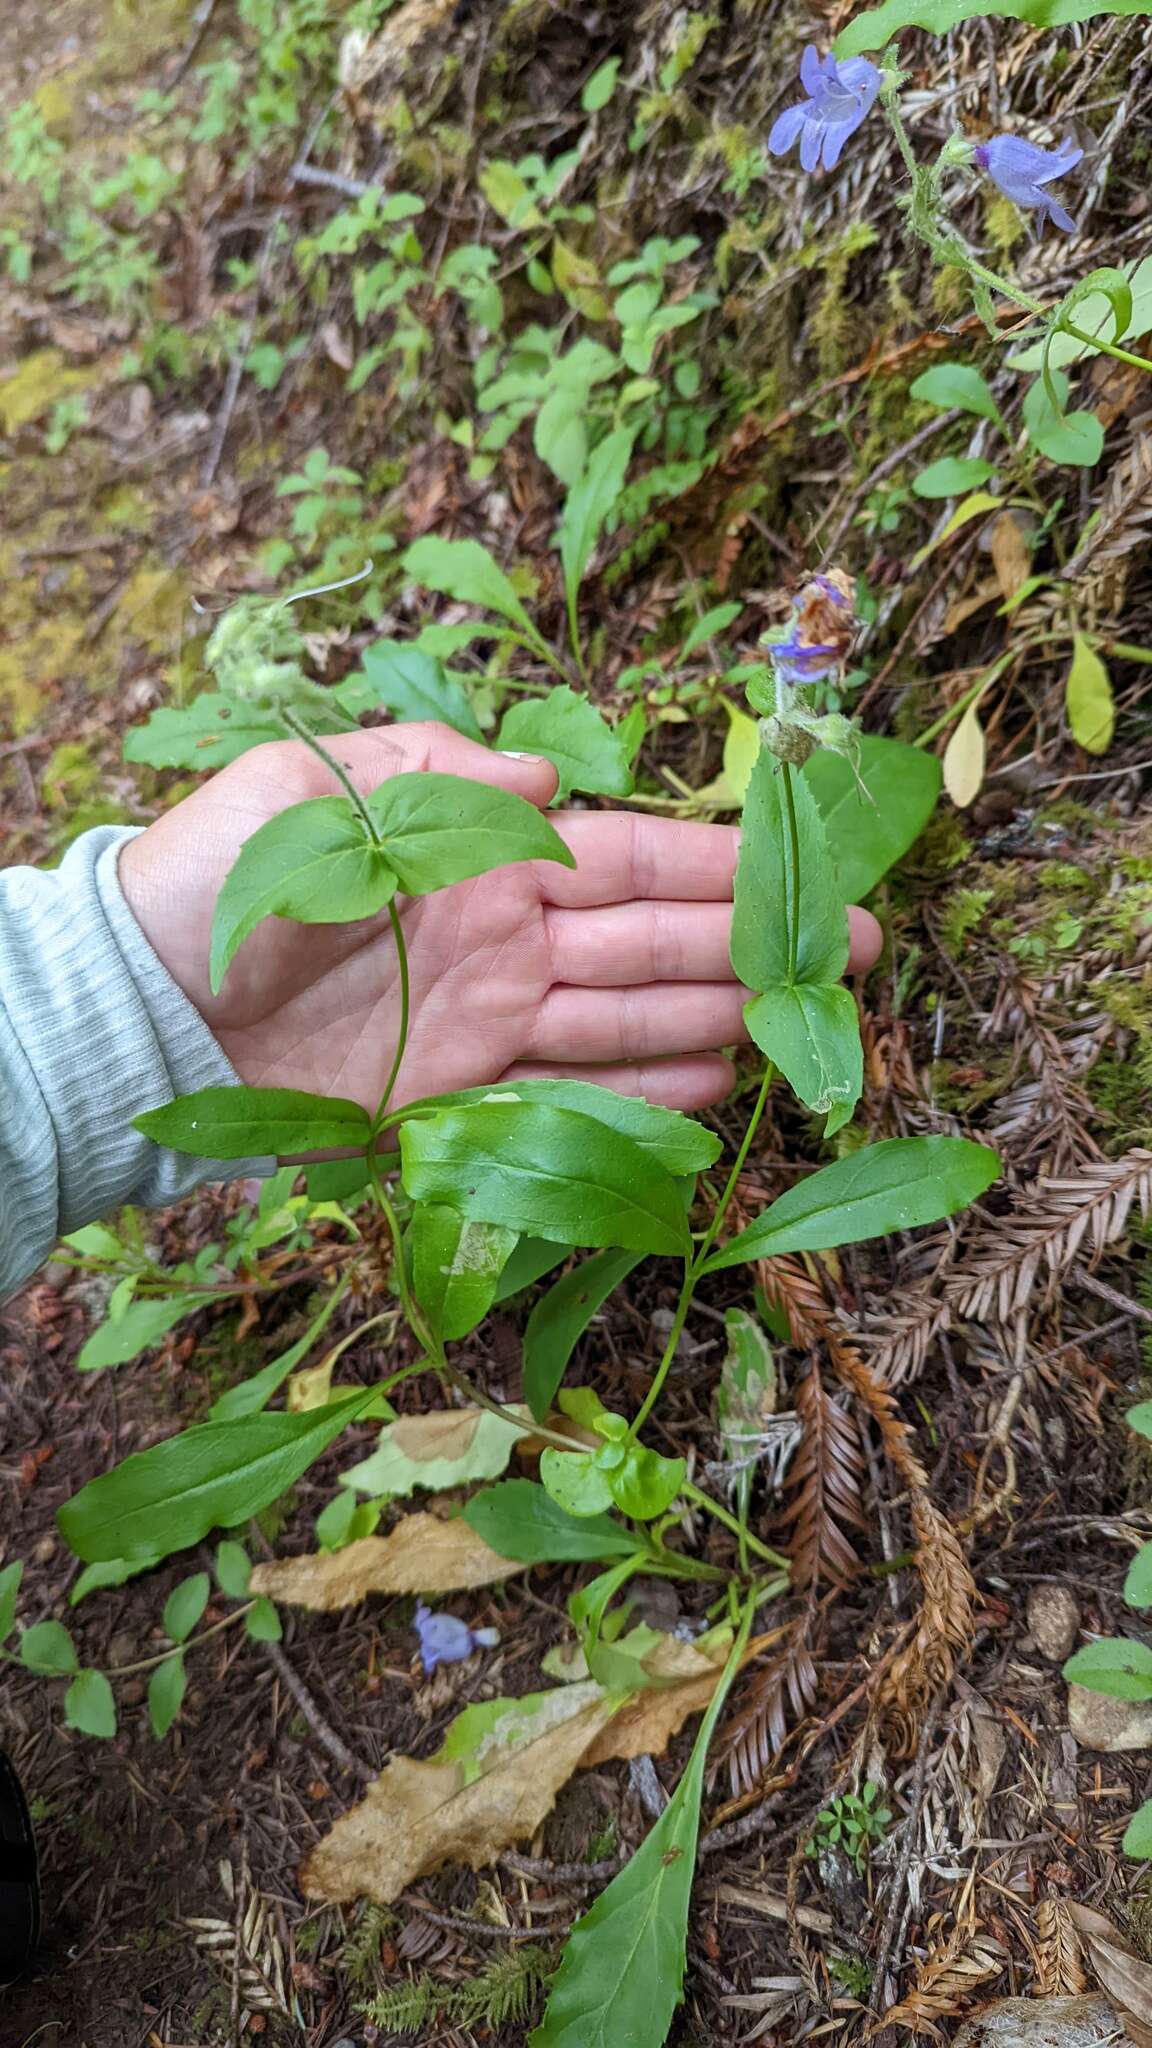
(615,971)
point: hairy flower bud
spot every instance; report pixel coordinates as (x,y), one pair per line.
(787,740)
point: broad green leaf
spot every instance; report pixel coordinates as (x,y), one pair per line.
(588,505)
(250,1395)
(313,862)
(745,1399)
(448,1447)
(166,1689)
(621,1975)
(761,913)
(600,86)
(243,1123)
(532,1258)
(464,570)
(90,1705)
(895,1185)
(207,734)
(679,1143)
(337,1180)
(1075,437)
(1096,314)
(184,1606)
(1138,1834)
(874,29)
(952,475)
(568,730)
(1115,1666)
(551,1172)
(575,1482)
(48,1649)
(456,1265)
(1088,700)
(964,758)
(115,1571)
(137,1328)
(1115,287)
(956,384)
(561,1317)
(10,1578)
(811,1031)
(262,1624)
(440,829)
(411,684)
(644,1484)
(233,1569)
(215,1474)
(1138,1584)
(868,833)
(520,1519)
(560,436)
(1140,1418)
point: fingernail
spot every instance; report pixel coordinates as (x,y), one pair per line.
(510,754)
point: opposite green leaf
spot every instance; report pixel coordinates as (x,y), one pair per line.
(48,1649)
(439,829)
(575,1482)
(137,1328)
(464,570)
(895,1185)
(10,1579)
(1076,437)
(874,29)
(166,1689)
(550,1172)
(206,734)
(213,1475)
(868,830)
(678,1142)
(233,1569)
(243,1123)
(561,1317)
(456,1265)
(114,1571)
(520,1519)
(568,730)
(952,475)
(313,862)
(90,1705)
(411,684)
(761,913)
(532,1258)
(600,86)
(1119,1668)
(956,384)
(262,1624)
(621,1976)
(812,1033)
(184,1606)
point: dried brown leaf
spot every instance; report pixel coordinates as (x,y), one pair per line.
(646,1725)
(1011,552)
(421,1554)
(1123,1974)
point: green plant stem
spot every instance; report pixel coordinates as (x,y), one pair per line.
(712,1507)
(972,695)
(574,636)
(794,877)
(405,1016)
(299,730)
(695,1265)
(150,1663)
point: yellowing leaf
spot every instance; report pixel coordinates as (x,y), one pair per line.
(741,747)
(421,1554)
(964,758)
(491,1783)
(1088,700)
(971,507)
(312,1387)
(682,1679)
(447,1448)
(577,279)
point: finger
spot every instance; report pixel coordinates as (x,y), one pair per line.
(585,1024)
(865,940)
(629,943)
(694,1081)
(621,855)
(372,757)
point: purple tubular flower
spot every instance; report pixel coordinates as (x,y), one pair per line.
(840,97)
(796,663)
(446,1640)
(1021,170)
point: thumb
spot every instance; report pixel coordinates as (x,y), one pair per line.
(373,756)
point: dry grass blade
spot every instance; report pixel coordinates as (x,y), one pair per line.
(783,1692)
(1059,1963)
(825,1481)
(946,1982)
(1123,515)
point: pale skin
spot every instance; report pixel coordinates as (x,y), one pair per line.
(615,971)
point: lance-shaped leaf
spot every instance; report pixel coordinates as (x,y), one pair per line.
(877,26)
(677,1141)
(422,1554)
(464,570)
(763,909)
(588,506)
(812,1033)
(243,1123)
(522,1520)
(456,1267)
(560,1318)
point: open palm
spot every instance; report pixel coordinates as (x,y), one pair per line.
(616,971)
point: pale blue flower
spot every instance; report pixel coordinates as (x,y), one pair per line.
(1022,170)
(446,1640)
(840,97)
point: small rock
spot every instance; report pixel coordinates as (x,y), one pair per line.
(1098,1722)
(1054,1620)
(1045,2023)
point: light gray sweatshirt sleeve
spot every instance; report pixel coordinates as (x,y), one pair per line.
(93,1030)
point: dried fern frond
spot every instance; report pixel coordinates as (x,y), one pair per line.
(780,1694)
(1123,516)
(824,1482)
(946,1981)
(1057,1222)
(503,1994)
(945,1626)
(1060,1969)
